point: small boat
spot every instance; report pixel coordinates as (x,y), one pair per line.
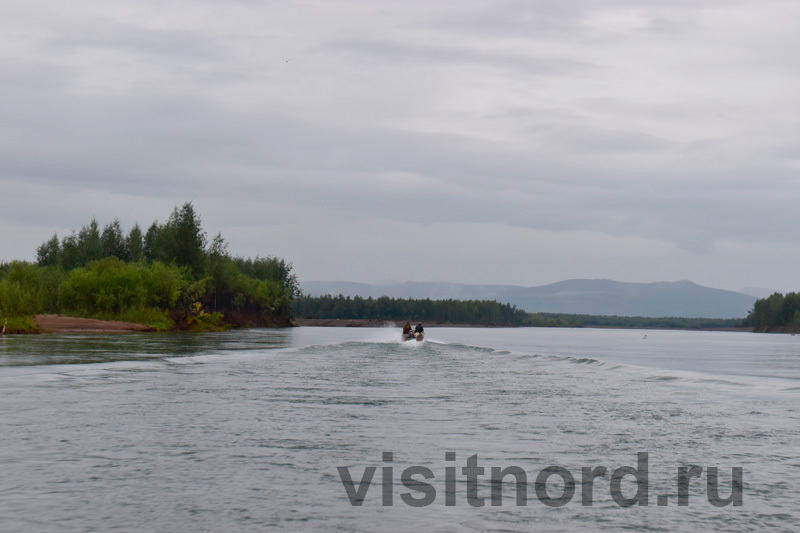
(413,336)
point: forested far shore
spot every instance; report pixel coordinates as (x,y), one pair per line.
(776,312)
(481,312)
(563,320)
(385,308)
(169,277)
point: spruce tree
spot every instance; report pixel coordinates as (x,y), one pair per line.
(134,244)
(187,240)
(90,247)
(113,241)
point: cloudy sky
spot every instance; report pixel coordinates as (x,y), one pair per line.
(472,141)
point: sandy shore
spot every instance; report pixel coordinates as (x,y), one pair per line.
(62,324)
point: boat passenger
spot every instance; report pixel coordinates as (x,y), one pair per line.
(419,328)
(407,328)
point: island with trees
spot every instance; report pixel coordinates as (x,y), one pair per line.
(169,277)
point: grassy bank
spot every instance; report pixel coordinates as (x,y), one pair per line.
(20,325)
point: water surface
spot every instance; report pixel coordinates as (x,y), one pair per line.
(244,431)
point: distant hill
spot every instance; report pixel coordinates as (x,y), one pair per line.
(578,296)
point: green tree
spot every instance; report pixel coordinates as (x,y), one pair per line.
(90,247)
(152,242)
(113,241)
(187,240)
(71,256)
(49,253)
(134,244)
(788,309)
(270,269)
(216,262)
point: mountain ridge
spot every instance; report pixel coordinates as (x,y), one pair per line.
(682,298)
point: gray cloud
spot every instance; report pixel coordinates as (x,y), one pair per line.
(380,52)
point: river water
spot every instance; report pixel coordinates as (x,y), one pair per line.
(246,430)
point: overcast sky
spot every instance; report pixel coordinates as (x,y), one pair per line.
(473,141)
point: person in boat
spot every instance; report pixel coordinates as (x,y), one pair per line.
(419,329)
(407,328)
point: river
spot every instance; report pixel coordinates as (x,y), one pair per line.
(252,430)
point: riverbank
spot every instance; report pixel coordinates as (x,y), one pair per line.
(793,330)
(67,324)
(52,323)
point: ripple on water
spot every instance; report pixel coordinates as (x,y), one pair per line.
(245,431)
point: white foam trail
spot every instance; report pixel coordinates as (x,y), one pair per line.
(390,334)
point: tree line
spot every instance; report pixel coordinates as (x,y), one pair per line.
(479,312)
(776,311)
(171,276)
(385,308)
(563,320)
